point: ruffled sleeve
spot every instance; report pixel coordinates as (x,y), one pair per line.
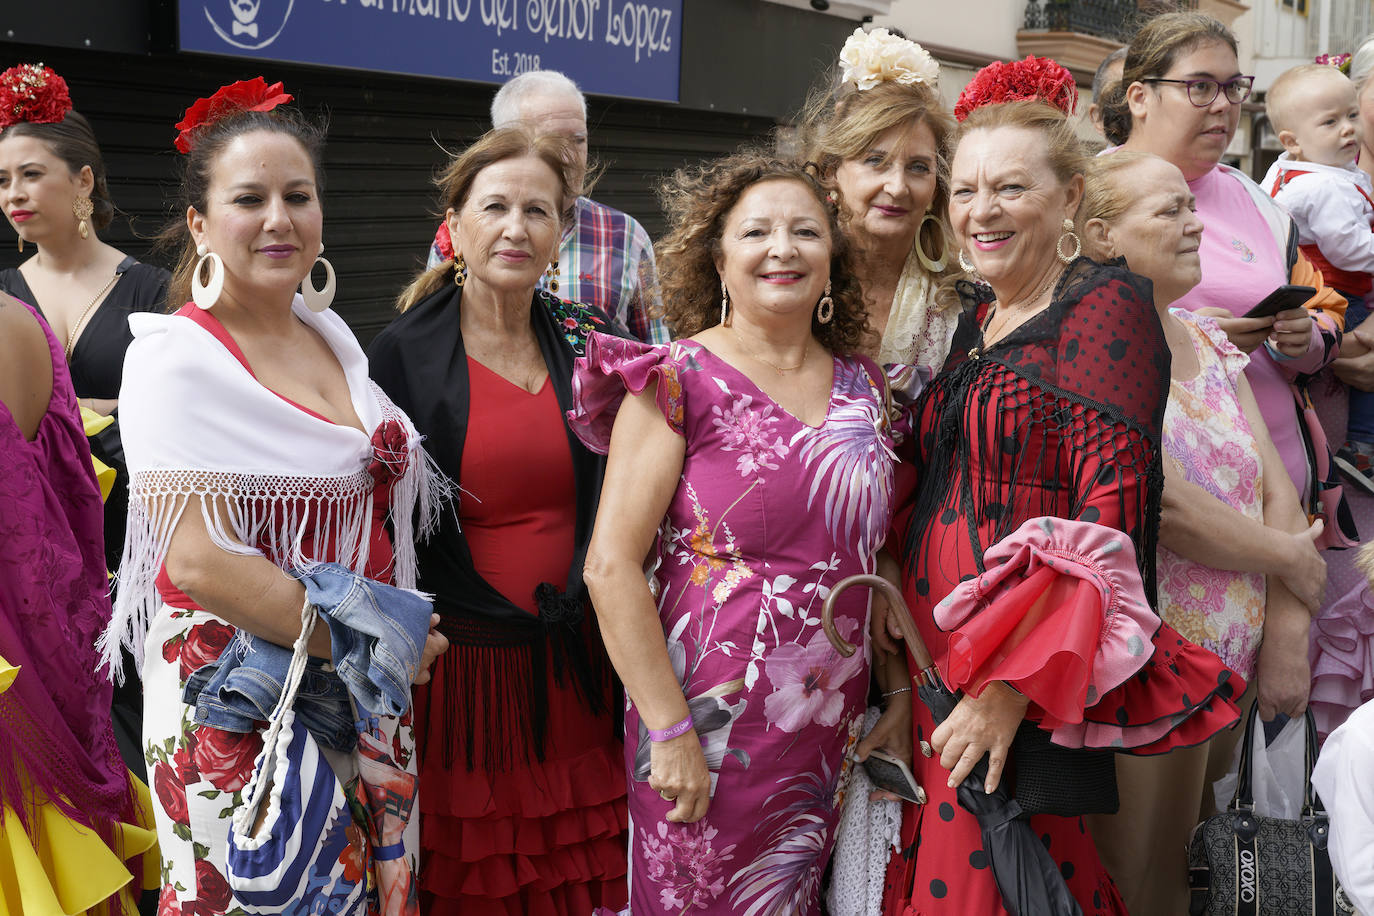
(1233,361)
(1060,614)
(614,367)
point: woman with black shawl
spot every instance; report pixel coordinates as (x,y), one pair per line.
(1028,547)
(522,784)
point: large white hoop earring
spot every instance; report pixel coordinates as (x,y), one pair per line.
(206,293)
(317,300)
(936,265)
(1077,243)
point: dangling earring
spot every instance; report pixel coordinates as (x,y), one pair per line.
(206,293)
(724,304)
(964,264)
(938,264)
(551,275)
(1077,243)
(83,208)
(460,271)
(317,300)
(825,309)
(21,244)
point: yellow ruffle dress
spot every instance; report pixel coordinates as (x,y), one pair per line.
(58,867)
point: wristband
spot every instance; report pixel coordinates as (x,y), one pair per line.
(893,693)
(672,731)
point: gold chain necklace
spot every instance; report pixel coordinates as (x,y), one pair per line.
(780,370)
(995,311)
(71,335)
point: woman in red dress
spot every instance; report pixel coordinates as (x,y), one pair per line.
(1035,449)
(522,785)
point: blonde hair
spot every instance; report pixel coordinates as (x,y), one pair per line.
(1105,195)
(1062,146)
(1279,100)
(456,180)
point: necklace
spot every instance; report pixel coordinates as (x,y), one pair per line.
(780,370)
(76,328)
(995,311)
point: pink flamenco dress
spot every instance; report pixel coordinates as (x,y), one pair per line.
(75,826)
(1028,545)
(770,513)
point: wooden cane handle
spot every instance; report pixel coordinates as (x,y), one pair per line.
(914,644)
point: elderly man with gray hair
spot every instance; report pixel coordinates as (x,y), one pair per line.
(605,258)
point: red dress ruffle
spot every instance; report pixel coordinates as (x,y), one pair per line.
(542,838)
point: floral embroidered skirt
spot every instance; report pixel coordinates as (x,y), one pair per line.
(198,773)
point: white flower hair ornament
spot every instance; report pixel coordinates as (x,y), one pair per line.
(870,58)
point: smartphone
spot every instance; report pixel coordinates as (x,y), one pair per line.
(1285,297)
(890,773)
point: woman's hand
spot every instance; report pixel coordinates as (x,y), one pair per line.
(1246,333)
(1292,333)
(436,644)
(1305,574)
(1283,676)
(677,771)
(892,733)
(882,623)
(980,726)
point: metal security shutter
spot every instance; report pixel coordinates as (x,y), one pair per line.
(382,153)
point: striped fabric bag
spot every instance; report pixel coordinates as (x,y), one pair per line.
(293,844)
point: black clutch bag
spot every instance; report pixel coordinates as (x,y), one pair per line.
(1244,864)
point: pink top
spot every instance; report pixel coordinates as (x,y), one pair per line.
(1207,434)
(1241,264)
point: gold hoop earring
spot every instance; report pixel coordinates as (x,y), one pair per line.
(1077,243)
(83,208)
(935,265)
(460,271)
(825,309)
(724,304)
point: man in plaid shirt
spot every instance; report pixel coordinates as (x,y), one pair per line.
(606,258)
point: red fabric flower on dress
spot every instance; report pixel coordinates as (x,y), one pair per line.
(225,759)
(1035,78)
(171,794)
(204,644)
(390,451)
(32,93)
(245,95)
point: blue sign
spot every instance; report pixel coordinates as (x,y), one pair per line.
(609,47)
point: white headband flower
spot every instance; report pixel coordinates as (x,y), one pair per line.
(870,58)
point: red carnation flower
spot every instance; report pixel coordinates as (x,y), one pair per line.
(32,93)
(245,95)
(390,451)
(1035,78)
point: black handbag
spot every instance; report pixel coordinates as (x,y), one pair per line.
(1244,864)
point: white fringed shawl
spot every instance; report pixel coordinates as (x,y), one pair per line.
(918,328)
(272,478)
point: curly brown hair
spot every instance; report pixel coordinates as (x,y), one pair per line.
(697,202)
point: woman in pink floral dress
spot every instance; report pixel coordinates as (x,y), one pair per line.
(752,462)
(1230,515)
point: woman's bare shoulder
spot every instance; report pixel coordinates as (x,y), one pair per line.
(25,365)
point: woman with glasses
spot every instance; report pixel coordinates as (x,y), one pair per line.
(1180,98)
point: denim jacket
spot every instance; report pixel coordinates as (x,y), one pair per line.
(378,633)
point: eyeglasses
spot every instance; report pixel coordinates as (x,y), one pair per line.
(1204,92)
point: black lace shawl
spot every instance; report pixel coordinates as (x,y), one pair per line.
(1069,406)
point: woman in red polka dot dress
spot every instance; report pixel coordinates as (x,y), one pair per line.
(1035,451)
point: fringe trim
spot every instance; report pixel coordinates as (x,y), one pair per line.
(275,512)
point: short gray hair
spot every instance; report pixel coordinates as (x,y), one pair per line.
(1362,63)
(1100,77)
(505,105)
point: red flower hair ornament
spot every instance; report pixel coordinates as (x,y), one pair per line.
(1032,79)
(32,93)
(245,95)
